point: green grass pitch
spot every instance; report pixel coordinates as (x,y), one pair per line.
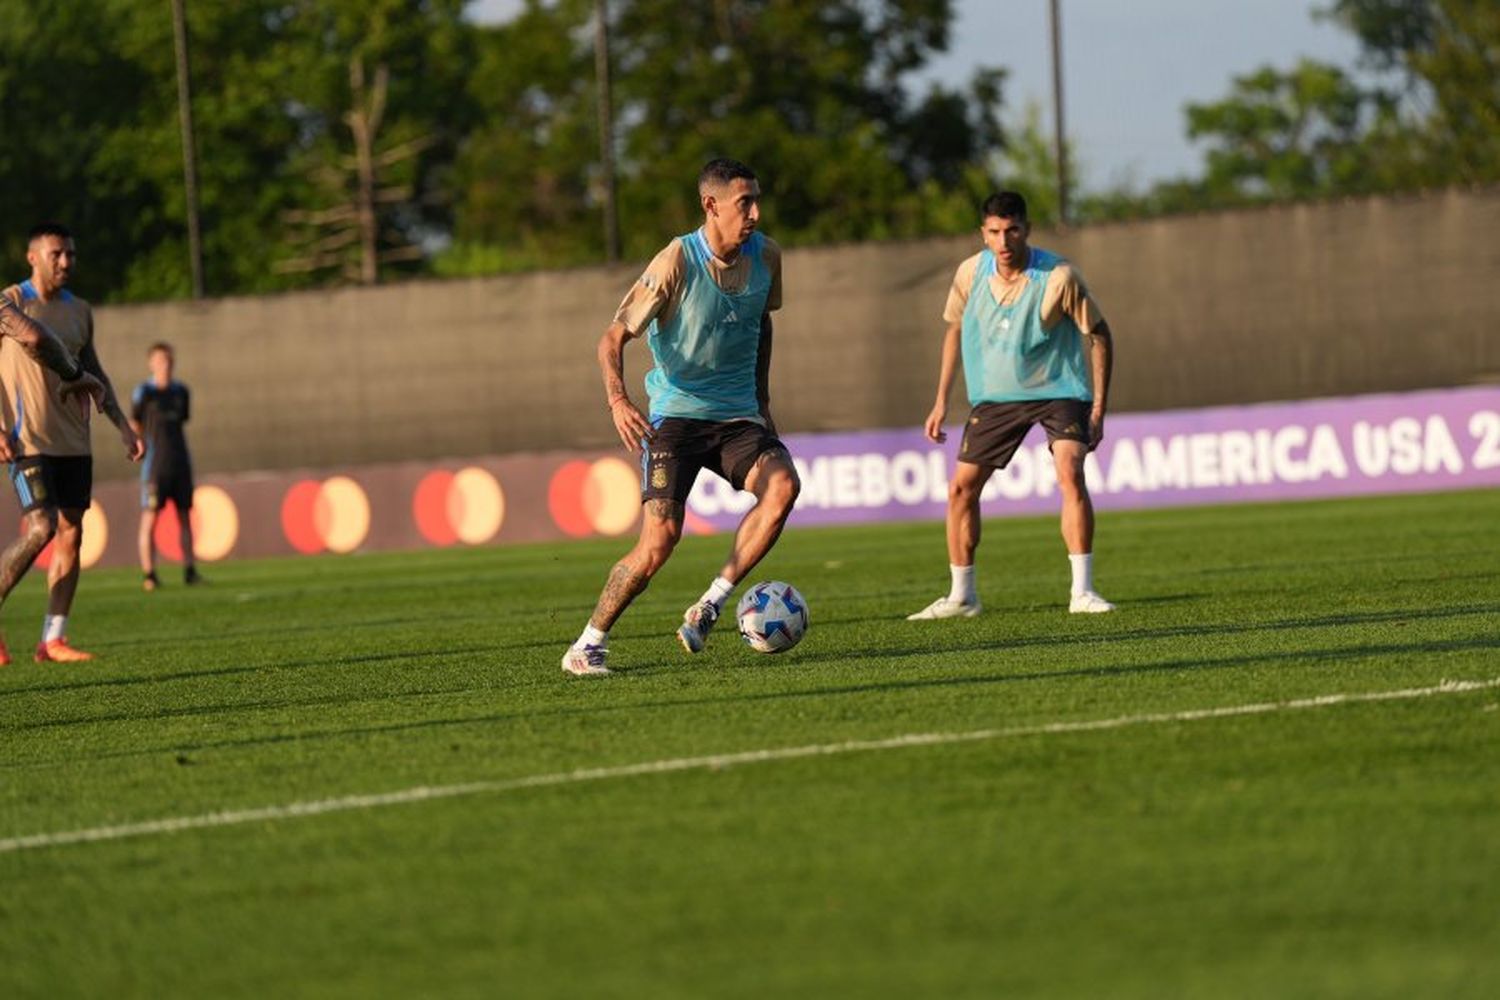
(1321,848)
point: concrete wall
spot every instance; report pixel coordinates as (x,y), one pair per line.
(1277,303)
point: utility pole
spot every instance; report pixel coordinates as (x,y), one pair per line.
(606,131)
(189,148)
(1060,133)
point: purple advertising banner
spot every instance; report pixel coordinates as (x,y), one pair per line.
(1404,442)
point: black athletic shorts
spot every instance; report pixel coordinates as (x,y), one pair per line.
(995,430)
(671,460)
(60,482)
(174,486)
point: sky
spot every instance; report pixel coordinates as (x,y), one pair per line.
(1129,67)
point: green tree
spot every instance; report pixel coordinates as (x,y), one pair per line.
(525,177)
(1284,135)
(811,95)
(1446,55)
(88,105)
(1425,113)
(376,91)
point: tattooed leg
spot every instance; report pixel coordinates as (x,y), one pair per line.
(660,530)
(37,529)
(620,589)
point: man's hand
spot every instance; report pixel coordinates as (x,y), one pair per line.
(630,423)
(7,453)
(84,387)
(1096,428)
(135,448)
(934,425)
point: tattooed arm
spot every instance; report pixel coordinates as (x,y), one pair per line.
(45,349)
(135,448)
(630,423)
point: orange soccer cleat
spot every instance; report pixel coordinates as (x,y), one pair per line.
(58,651)
(4,653)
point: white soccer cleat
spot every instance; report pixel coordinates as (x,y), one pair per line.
(697,621)
(945,607)
(1088,603)
(585,661)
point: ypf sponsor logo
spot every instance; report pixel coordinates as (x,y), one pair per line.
(588,497)
(332,515)
(95,538)
(465,506)
(215,521)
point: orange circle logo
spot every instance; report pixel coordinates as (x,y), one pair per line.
(588,497)
(467,506)
(332,515)
(95,538)
(216,526)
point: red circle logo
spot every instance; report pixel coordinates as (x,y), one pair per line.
(603,496)
(467,506)
(333,514)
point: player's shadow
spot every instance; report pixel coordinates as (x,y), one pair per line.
(945,633)
(336,662)
(1322,656)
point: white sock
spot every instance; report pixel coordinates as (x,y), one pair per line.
(961,589)
(717,592)
(1083,572)
(53,627)
(592,637)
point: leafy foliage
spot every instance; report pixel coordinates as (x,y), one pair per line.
(487,142)
(486,151)
(1426,114)
(809,94)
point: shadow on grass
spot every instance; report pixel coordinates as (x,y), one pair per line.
(1320,656)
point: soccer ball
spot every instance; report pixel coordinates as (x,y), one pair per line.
(772,617)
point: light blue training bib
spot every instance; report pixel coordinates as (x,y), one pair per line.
(1008,355)
(706,353)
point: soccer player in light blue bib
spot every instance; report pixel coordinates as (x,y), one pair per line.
(704,307)
(1035,349)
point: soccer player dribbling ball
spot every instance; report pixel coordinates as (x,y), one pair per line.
(1035,349)
(704,307)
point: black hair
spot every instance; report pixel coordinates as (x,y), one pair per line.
(1004,205)
(722,170)
(49,229)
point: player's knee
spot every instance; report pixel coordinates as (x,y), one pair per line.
(962,493)
(781,491)
(40,528)
(656,545)
(1070,477)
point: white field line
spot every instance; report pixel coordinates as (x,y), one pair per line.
(424,793)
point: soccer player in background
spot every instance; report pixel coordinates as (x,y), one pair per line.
(704,305)
(158,409)
(51,464)
(1035,349)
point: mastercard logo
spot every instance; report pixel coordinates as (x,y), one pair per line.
(216,526)
(602,496)
(95,538)
(332,515)
(465,506)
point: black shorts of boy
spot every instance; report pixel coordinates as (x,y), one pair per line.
(995,430)
(671,460)
(59,482)
(157,490)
